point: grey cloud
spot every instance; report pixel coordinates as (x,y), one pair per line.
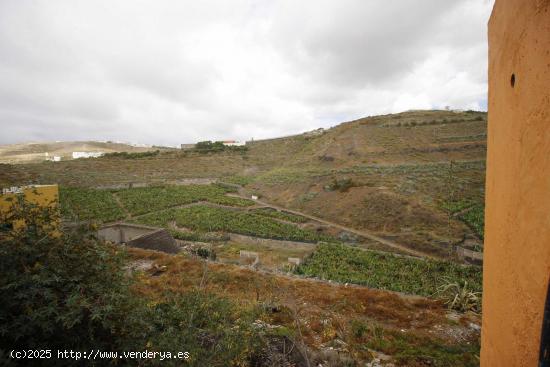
(354,43)
(179,71)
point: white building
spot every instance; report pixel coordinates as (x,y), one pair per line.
(233,143)
(188,146)
(77,155)
(316,132)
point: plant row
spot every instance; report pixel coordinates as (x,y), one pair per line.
(207,219)
(89,204)
(147,199)
(102,205)
(272,213)
(385,271)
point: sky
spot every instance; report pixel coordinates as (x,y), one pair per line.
(167,72)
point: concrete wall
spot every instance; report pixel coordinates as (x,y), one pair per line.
(517,228)
(135,235)
(119,233)
(160,240)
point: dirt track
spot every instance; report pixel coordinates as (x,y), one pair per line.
(361,233)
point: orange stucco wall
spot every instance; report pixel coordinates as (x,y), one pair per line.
(517,225)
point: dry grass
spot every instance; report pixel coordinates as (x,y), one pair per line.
(249,286)
(318,313)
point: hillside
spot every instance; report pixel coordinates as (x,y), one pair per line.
(39,152)
(340,242)
(416,178)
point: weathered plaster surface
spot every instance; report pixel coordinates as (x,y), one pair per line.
(517,226)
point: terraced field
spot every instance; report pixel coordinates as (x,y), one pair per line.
(202,218)
(272,213)
(346,264)
(89,204)
(109,205)
(148,199)
(475,218)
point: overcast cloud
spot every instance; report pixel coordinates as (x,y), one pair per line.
(170,72)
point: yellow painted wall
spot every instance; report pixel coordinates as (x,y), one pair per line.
(516,267)
(42,195)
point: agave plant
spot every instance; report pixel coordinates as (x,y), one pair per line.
(459,297)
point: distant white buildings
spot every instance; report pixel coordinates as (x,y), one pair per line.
(316,132)
(52,158)
(455,110)
(77,155)
(233,143)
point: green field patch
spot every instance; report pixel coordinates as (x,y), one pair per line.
(89,204)
(272,213)
(148,199)
(203,218)
(475,219)
(457,205)
(385,271)
(238,180)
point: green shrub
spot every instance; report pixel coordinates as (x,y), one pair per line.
(132,155)
(64,292)
(213,330)
(70,291)
(217,146)
(341,185)
(205,253)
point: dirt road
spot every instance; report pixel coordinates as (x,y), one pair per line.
(361,233)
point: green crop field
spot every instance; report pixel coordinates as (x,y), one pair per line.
(147,199)
(102,205)
(272,213)
(207,219)
(475,218)
(384,271)
(89,204)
